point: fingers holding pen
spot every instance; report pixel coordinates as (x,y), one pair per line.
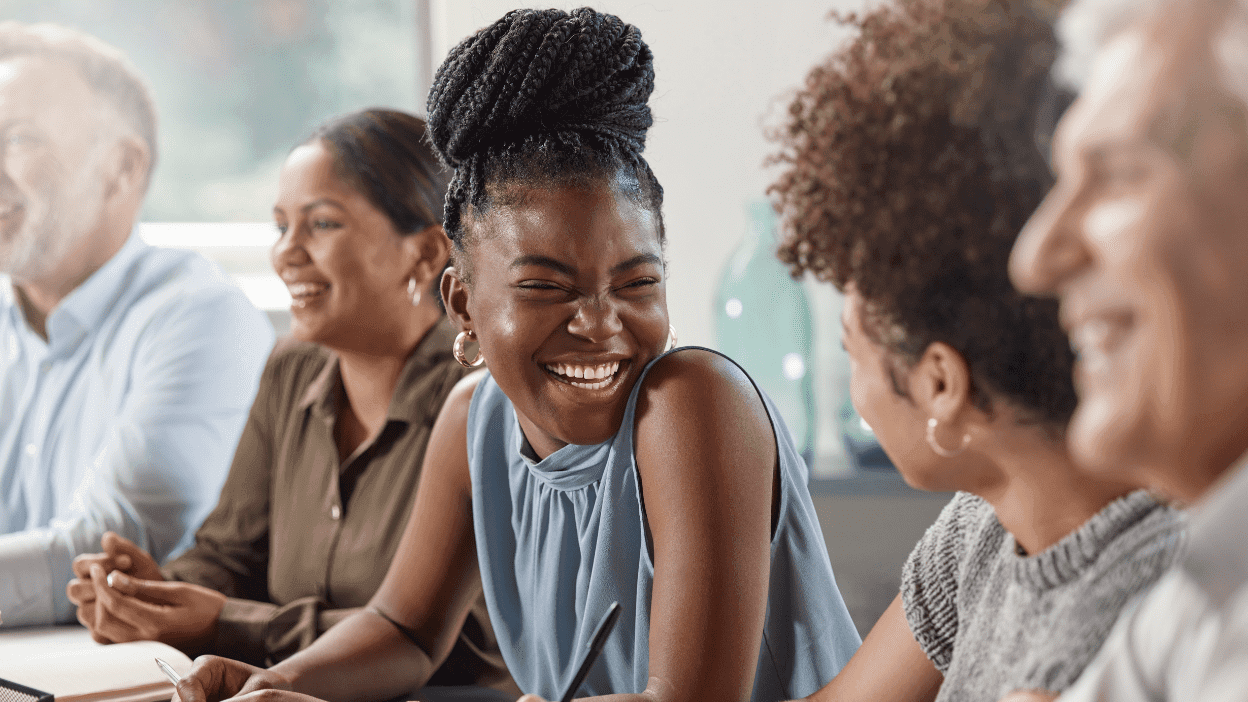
(212,679)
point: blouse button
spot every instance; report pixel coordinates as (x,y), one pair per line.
(335,512)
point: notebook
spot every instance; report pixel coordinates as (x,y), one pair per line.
(66,664)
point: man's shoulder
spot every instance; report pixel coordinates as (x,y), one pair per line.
(159,270)
(182,288)
(177,304)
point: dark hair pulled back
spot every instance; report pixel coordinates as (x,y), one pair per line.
(385,155)
(543,97)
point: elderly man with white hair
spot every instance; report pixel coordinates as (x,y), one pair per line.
(126,371)
(1144,239)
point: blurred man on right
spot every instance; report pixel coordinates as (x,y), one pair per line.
(1145,240)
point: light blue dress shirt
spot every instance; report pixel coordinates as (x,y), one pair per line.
(125,419)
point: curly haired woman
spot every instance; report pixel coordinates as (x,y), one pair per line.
(911,163)
(586,466)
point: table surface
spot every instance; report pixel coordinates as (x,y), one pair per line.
(32,641)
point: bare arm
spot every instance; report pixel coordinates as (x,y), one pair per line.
(707,458)
(706,453)
(429,589)
(889,666)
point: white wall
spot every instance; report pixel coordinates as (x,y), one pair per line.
(725,71)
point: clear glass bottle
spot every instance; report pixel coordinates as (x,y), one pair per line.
(762,321)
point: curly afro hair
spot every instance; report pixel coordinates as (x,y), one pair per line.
(912,159)
(543,97)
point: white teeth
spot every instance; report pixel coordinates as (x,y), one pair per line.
(306,289)
(602,373)
(1090,335)
(1093,343)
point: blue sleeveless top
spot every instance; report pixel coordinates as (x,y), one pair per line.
(559,539)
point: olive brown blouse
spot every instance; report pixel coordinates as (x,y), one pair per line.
(299,540)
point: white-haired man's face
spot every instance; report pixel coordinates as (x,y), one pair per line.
(53,140)
(1145,240)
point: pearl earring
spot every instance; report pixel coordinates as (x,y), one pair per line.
(412,291)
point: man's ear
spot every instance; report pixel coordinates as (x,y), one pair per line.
(428,251)
(940,385)
(455,299)
(129,167)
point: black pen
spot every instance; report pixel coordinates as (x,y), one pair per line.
(591,654)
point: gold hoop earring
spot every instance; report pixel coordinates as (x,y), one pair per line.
(941,450)
(671,338)
(458,350)
(412,291)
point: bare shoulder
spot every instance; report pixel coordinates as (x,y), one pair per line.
(460,397)
(700,382)
(696,405)
(446,456)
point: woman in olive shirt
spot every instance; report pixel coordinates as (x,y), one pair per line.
(326,470)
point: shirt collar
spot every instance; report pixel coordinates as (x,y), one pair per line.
(1217,554)
(407,403)
(410,402)
(321,392)
(87,305)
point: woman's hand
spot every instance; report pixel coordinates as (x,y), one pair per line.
(124,608)
(213,678)
(120,554)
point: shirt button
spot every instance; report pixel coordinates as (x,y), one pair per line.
(335,512)
(32,451)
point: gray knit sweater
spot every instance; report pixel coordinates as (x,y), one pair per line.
(993,621)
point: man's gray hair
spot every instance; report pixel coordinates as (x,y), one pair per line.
(106,69)
(1086,25)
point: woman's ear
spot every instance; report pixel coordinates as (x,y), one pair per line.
(455,299)
(428,251)
(940,384)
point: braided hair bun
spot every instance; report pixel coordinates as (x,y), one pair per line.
(543,95)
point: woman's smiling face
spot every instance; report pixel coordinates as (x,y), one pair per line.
(568,302)
(344,263)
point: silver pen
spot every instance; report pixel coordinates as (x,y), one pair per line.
(169,671)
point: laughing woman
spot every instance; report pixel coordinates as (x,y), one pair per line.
(930,115)
(586,466)
(329,461)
